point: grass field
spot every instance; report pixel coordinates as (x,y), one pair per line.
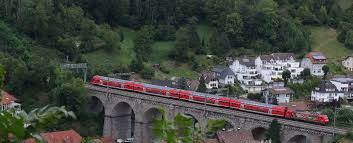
(324,39)
(160,51)
(115,58)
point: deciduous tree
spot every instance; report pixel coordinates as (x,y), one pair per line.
(286,75)
(325,69)
(274,132)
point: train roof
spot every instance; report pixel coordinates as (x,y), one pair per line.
(157,86)
(257,103)
(192,92)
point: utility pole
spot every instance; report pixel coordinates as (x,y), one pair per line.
(334,120)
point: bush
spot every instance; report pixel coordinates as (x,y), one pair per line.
(255,96)
(164,69)
(147,73)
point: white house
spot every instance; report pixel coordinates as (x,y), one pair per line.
(314,61)
(326,92)
(224,75)
(271,66)
(247,74)
(8,102)
(348,63)
(211,80)
(345,85)
(281,94)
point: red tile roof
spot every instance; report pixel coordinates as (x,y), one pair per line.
(106,140)
(298,106)
(316,57)
(69,136)
(6,98)
(236,137)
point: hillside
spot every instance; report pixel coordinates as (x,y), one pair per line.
(324,39)
(159,54)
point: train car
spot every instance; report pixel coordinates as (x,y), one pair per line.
(203,97)
(256,106)
(312,117)
(153,89)
(174,93)
(223,102)
(96,80)
(240,104)
(184,95)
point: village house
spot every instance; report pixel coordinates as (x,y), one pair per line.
(247,74)
(69,136)
(210,78)
(272,66)
(224,75)
(8,101)
(314,61)
(348,63)
(344,85)
(280,94)
(326,92)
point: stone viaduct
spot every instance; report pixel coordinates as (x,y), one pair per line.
(130,114)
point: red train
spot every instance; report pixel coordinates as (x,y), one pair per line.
(210,99)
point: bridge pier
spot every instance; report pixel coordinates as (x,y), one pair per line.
(138,133)
(108,126)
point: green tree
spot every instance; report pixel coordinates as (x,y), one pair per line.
(136,65)
(325,69)
(305,74)
(213,126)
(234,28)
(24,125)
(346,138)
(143,42)
(219,43)
(274,132)
(180,129)
(186,44)
(147,73)
(349,39)
(202,85)
(2,76)
(286,75)
(70,94)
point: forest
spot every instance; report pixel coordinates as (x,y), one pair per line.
(37,35)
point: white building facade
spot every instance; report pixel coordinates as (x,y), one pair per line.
(344,85)
(272,66)
(247,75)
(224,75)
(211,80)
(281,94)
(314,61)
(8,102)
(326,92)
(348,63)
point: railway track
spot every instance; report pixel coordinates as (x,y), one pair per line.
(217,109)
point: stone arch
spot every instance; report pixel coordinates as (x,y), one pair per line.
(95,105)
(195,120)
(148,117)
(96,109)
(259,133)
(123,118)
(299,139)
(229,124)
